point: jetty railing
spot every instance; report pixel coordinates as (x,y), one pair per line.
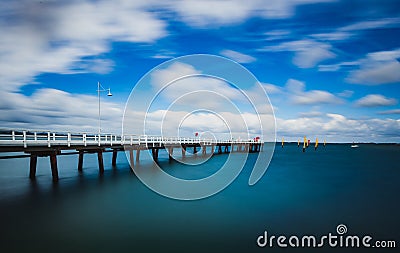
(49,139)
(51,144)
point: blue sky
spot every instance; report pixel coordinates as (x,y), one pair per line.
(330,68)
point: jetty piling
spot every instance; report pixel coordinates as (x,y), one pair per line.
(52,145)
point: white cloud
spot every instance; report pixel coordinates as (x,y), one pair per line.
(371,24)
(295,86)
(180,80)
(315,97)
(276,34)
(395,111)
(60,37)
(183,91)
(336,67)
(333,36)
(299,96)
(311,114)
(385,55)
(375,100)
(308,53)
(43,37)
(333,127)
(377,68)
(374,69)
(338,128)
(237,56)
(379,73)
(345,32)
(182,84)
(222,124)
(346,93)
(329,68)
(214,12)
(52,109)
(205,12)
(55,110)
(271,88)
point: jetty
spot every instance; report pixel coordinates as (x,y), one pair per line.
(52,144)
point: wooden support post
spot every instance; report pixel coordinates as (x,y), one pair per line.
(114,157)
(100,159)
(137,154)
(226,148)
(183,151)
(33,164)
(219,149)
(131,158)
(154,152)
(194,150)
(53,164)
(80,160)
(170,153)
(204,149)
(212,149)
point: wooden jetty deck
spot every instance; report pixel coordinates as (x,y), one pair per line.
(51,144)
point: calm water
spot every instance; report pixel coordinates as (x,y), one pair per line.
(301,193)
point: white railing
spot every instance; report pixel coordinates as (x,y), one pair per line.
(28,138)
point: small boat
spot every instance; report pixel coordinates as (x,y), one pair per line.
(354,145)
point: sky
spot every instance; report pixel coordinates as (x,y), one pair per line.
(330,68)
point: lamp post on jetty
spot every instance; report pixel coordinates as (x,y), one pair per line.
(100,88)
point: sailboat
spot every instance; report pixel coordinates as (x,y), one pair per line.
(298,142)
(283,141)
(354,145)
(304,144)
(316,144)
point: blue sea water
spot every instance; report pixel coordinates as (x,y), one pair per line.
(307,193)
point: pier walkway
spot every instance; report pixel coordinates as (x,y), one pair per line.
(52,144)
